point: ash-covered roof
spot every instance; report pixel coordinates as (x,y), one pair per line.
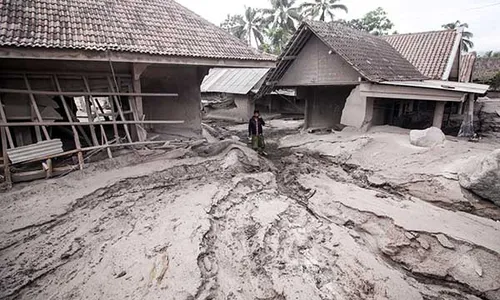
(467,61)
(374,58)
(158,27)
(486,68)
(233,80)
(430,52)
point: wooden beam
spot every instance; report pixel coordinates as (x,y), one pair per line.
(47,123)
(90,117)
(120,111)
(3,118)
(80,94)
(35,109)
(60,74)
(291,57)
(6,164)
(127,57)
(73,128)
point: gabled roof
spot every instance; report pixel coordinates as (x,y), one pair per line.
(158,27)
(232,81)
(467,61)
(370,55)
(486,68)
(433,53)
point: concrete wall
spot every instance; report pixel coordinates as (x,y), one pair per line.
(316,66)
(324,105)
(242,112)
(187,106)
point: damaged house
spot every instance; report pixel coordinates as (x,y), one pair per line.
(143,60)
(229,93)
(356,79)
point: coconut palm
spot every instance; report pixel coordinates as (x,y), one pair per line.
(250,26)
(283,14)
(467,44)
(321,9)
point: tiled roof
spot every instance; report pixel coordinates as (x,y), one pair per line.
(486,68)
(232,81)
(370,55)
(467,61)
(159,27)
(430,52)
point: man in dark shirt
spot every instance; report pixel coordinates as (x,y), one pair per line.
(255,132)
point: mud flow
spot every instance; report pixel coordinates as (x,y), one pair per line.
(311,220)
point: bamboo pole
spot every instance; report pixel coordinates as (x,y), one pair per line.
(3,118)
(46,123)
(90,117)
(120,111)
(73,128)
(79,94)
(35,108)
(6,167)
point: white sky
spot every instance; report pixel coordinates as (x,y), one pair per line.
(483,16)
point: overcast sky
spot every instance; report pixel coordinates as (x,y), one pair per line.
(483,16)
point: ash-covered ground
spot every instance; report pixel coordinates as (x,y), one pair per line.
(322,216)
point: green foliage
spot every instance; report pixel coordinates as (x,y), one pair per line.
(248,27)
(467,43)
(495,81)
(375,22)
(492,54)
(322,9)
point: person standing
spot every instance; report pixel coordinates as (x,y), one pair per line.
(255,132)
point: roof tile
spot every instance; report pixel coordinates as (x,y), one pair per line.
(430,51)
(160,27)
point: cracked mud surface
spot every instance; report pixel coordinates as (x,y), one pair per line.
(316,219)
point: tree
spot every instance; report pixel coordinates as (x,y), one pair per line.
(321,9)
(492,54)
(277,38)
(248,26)
(375,22)
(467,44)
(231,25)
(283,14)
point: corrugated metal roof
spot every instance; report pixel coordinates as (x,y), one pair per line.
(232,81)
(39,150)
(443,85)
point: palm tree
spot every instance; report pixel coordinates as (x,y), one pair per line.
(467,44)
(250,26)
(277,40)
(321,9)
(283,14)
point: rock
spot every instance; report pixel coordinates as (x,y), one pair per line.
(429,137)
(444,241)
(483,178)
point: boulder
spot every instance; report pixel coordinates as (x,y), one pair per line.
(483,178)
(427,138)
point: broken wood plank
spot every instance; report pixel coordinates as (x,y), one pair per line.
(35,109)
(3,118)
(120,111)
(46,123)
(80,94)
(6,167)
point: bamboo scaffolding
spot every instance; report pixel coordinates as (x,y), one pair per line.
(47,123)
(6,167)
(79,94)
(35,109)
(3,118)
(73,128)
(120,111)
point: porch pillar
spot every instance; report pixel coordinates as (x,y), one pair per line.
(467,127)
(438,114)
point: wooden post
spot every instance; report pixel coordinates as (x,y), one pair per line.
(467,127)
(439,114)
(37,112)
(120,111)
(6,167)
(73,128)
(90,117)
(3,118)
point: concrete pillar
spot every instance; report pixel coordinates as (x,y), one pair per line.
(438,114)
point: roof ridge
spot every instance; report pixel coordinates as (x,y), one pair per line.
(420,32)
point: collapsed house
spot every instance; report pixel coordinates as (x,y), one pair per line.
(228,93)
(356,79)
(143,60)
